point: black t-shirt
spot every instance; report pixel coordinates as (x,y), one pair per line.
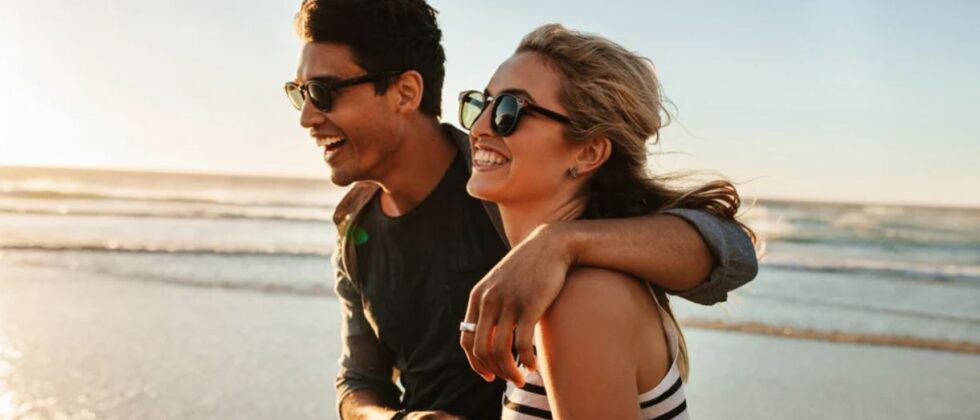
(416,273)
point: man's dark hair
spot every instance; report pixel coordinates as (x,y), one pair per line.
(383,35)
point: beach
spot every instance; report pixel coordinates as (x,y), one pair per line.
(81,345)
(158,296)
(78,345)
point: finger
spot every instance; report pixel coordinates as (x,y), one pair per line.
(489,312)
(503,342)
(524,342)
(468,342)
(467,339)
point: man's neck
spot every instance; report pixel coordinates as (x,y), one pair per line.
(428,153)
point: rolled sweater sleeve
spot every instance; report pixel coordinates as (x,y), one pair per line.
(733,250)
(364,363)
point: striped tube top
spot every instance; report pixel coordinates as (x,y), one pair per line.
(665,401)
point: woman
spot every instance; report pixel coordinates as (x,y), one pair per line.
(560,134)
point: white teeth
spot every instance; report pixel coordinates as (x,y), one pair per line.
(328,141)
(489,158)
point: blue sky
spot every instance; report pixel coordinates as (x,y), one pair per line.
(836,100)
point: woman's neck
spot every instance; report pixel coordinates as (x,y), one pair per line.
(521,219)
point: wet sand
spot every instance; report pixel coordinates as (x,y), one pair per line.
(87,346)
(81,345)
(746,376)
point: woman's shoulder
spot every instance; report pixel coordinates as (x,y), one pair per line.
(601,298)
(598,274)
(599,285)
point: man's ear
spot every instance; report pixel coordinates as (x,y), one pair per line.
(407,89)
(593,154)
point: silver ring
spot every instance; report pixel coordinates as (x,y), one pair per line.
(467,327)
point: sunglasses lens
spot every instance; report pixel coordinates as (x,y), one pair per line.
(505,114)
(470,107)
(295,95)
(321,96)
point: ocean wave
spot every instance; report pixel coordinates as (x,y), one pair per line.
(923,270)
(871,226)
(158,248)
(186,197)
(319,289)
(907,269)
(258,213)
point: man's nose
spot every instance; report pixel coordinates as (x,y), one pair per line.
(309,115)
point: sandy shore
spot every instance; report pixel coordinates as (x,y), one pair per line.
(79,345)
(746,376)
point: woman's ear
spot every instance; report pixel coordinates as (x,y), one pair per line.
(407,89)
(593,154)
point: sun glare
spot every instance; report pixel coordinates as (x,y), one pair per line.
(8,400)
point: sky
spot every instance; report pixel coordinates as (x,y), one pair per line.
(860,101)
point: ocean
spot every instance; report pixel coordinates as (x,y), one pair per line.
(155,295)
(828,268)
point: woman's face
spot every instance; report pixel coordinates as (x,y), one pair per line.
(533,161)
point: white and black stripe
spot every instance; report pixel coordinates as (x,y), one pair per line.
(664,402)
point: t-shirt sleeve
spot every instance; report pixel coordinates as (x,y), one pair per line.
(733,250)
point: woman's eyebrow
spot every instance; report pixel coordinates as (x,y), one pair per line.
(513,91)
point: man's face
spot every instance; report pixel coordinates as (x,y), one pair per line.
(356,135)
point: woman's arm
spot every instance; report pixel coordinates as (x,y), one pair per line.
(590,342)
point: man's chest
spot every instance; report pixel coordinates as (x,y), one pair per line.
(415,280)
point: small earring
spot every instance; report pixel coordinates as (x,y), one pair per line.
(573,171)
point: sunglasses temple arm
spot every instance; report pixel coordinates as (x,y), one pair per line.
(549,113)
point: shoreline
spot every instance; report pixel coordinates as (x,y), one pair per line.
(745,327)
(893,341)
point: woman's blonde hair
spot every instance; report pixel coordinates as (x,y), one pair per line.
(608,91)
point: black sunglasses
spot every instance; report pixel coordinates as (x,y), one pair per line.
(322,92)
(506,111)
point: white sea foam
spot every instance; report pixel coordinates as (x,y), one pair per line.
(913,269)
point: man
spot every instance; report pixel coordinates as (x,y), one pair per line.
(412,244)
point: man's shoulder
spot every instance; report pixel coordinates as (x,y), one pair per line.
(461,140)
(458,136)
(355,199)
